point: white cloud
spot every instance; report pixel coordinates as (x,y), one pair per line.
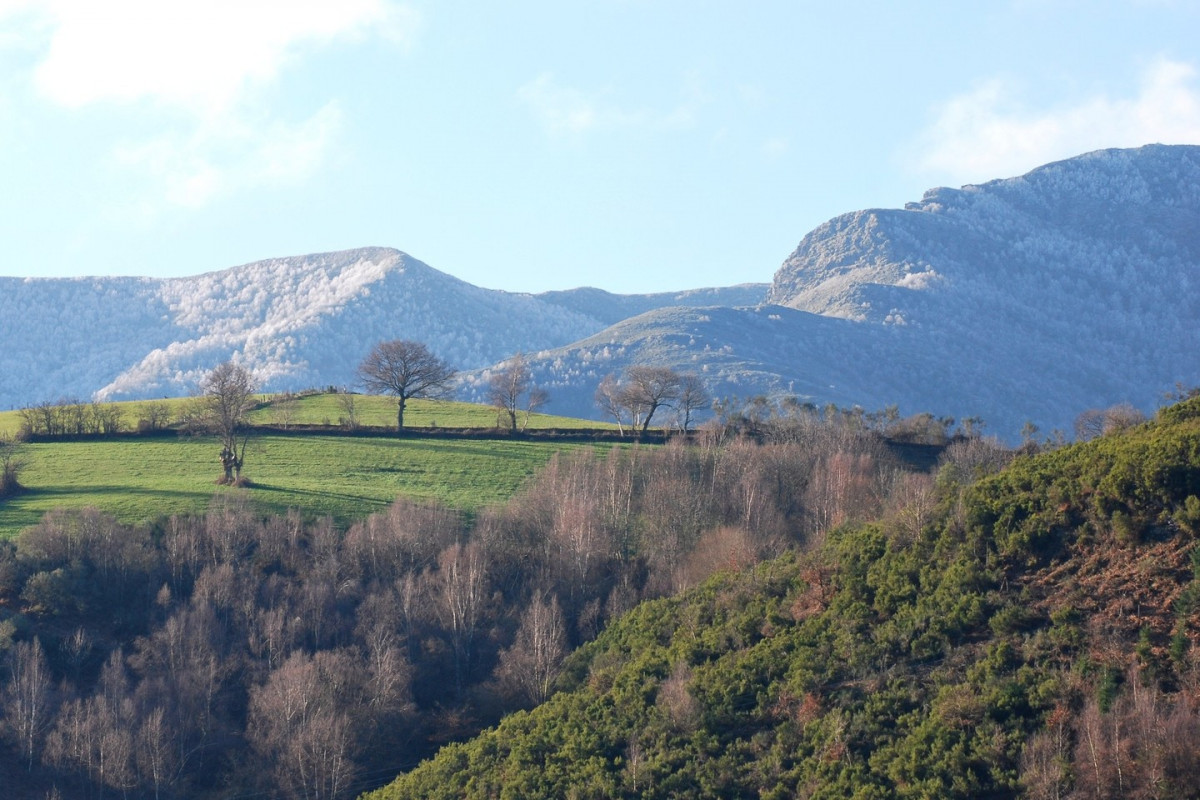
(775,147)
(560,109)
(200,57)
(191,168)
(565,110)
(987,133)
(192,72)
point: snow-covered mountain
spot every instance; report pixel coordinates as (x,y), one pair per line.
(297,322)
(1027,299)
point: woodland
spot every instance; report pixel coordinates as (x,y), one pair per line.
(790,602)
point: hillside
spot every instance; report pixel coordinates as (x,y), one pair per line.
(1021,300)
(1037,638)
(1027,299)
(297,322)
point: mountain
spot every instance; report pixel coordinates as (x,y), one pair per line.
(297,322)
(1021,300)
(1026,299)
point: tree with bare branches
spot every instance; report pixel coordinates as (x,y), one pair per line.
(693,396)
(11,464)
(406,369)
(511,385)
(529,668)
(26,699)
(228,395)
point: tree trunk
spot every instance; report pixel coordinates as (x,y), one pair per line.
(400,401)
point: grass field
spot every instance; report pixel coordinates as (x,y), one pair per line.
(140,480)
(328,409)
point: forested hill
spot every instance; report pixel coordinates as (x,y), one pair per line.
(1033,633)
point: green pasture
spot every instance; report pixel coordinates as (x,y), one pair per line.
(330,409)
(143,479)
(380,411)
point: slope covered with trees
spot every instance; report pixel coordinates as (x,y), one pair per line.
(230,650)
(1030,633)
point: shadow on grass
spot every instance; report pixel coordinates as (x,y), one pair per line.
(284,490)
(36,493)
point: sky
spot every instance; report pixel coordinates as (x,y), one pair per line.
(632,145)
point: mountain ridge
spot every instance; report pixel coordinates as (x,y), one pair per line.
(1020,300)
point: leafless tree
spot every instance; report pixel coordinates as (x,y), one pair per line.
(228,395)
(692,397)
(154,415)
(608,399)
(1120,417)
(1089,424)
(640,393)
(26,698)
(528,669)
(11,464)
(406,369)
(508,386)
(298,723)
(106,418)
(284,408)
(348,402)
(647,389)
(461,595)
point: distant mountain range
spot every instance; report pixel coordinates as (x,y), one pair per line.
(1026,299)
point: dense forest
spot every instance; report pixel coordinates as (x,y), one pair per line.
(788,604)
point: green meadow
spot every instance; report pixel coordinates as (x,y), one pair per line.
(329,409)
(346,478)
(142,479)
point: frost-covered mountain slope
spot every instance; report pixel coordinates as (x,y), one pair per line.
(739,352)
(1108,228)
(296,322)
(1084,272)
(612,308)
(1027,299)
(783,352)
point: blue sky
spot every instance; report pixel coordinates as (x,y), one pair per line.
(627,144)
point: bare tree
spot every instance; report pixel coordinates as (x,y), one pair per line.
(11,464)
(648,389)
(26,698)
(508,386)
(1121,417)
(228,396)
(406,369)
(608,399)
(692,397)
(461,594)
(284,406)
(1089,424)
(154,415)
(348,402)
(299,724)
(529,668)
